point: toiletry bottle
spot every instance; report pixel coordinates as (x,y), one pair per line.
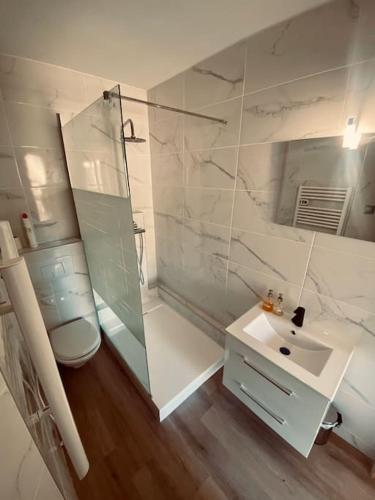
(278,307)
(268,302)
(29,230)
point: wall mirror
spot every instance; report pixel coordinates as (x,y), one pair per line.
(328,188)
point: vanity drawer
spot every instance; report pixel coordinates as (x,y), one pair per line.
(287,405)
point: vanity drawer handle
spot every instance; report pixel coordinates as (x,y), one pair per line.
(281,387)
(276,417)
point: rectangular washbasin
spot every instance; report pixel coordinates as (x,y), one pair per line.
(295,343)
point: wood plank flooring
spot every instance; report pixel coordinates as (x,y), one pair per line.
(211,448)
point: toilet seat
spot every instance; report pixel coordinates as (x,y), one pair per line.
(75,340)
(76,363)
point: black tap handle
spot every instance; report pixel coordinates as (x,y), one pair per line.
(300,309)
(299,316)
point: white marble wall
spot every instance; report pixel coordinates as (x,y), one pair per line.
(215,186)
(33,175)
(23,473)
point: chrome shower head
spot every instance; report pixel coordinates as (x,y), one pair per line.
(132,137)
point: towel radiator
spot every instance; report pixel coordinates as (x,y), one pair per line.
(322,207)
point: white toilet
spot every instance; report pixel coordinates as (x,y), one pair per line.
(75,343)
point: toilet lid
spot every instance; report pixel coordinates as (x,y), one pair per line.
(74,340)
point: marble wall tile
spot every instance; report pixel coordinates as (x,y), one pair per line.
(138,168)
(169,259)
(50,204)
(170,251)
(47,489)
(312,42)
(42,168)
(31,82)
(95,86)
(355,286)
(96,171)
(358,417)
(205,134)
(166,136)
(141,197)
(210,205)
(206,284)
(260,167)
(12,204)
(246,287)
(348,436)
(46,189)
(9,177)
(278,257)
(98,130)
(4,131)
(170,276)
(168,170)
(254,211)
(358,376)
(361,221)
(140,182)
(356,247)
(295,110)
(206,238)
(211,168)
(56,232)
(22,119)
(21,463)
(216,79)
(168,200)
(168,226)
(335,318)
(169,93)
(183,307)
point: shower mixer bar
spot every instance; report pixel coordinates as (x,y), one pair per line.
(107,94)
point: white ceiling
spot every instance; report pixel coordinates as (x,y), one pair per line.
(138,42)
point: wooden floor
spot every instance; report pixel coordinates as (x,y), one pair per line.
(210,448)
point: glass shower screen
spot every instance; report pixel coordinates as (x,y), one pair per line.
(98,174)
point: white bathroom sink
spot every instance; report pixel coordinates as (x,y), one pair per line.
(281,335)
(318,359)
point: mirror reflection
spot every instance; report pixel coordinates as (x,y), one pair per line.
(327,187)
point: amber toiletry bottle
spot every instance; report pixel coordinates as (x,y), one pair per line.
(268,302)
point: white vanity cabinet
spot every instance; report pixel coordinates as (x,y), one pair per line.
(291,408)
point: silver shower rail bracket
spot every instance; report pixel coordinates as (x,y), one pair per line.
(107,95)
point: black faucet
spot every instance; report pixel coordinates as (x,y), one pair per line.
(299,316)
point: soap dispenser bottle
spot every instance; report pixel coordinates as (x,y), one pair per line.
(278,307)
(268,302)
